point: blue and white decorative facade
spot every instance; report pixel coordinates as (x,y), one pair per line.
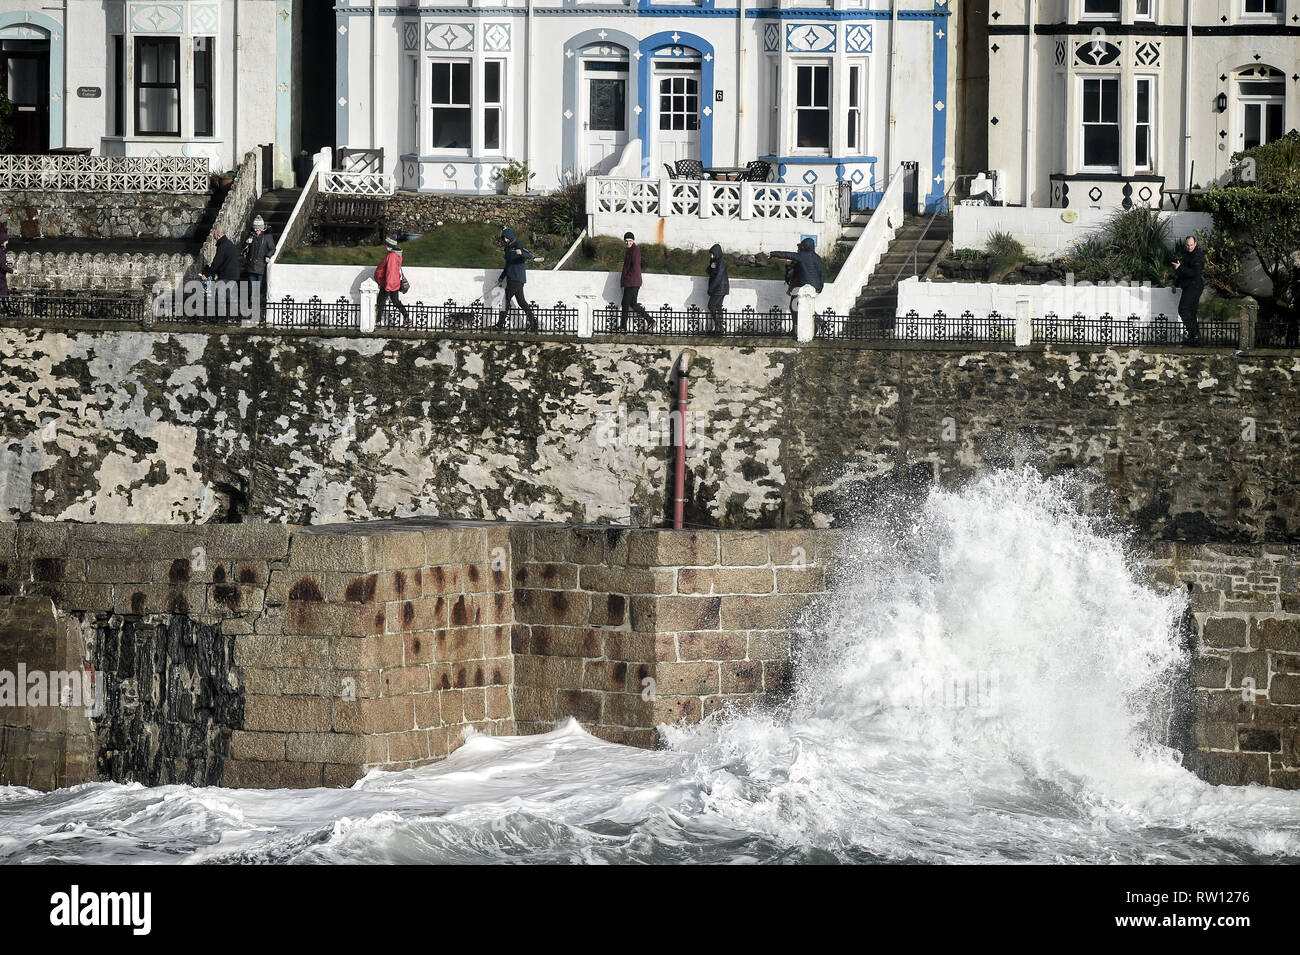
(829,91)
(211,78)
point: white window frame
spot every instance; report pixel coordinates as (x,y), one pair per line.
(499,105)
(829,67)
(856,89)
(1084,80)
(1084,13)
(1150,124)
(1262,16)
(430,63)
(1150,13)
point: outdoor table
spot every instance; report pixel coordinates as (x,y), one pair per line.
(724,173)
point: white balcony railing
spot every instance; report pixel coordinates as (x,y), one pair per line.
(339,182)
(170,174)
(706,198)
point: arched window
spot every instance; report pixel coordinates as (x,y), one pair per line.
(1261,106)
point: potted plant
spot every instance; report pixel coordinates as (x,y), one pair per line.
(515,175)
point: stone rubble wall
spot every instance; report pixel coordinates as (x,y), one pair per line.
(97,271)
(37,213)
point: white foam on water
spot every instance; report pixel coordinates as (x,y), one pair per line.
(980,686)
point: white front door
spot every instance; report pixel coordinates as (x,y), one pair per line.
(604,113)
(675,124)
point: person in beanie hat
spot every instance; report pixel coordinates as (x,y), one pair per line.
(514,275)
(5,270)
(388,275)
(630,280)
(258,249)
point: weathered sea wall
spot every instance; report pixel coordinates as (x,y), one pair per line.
(270,656)
(177,427)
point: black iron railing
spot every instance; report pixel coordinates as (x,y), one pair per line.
(1282,332)
(1053,329)
(450,316)
(995,328)
(746,323)
(313,313)
(73,305)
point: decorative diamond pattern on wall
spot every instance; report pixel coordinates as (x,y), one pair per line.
(809,176)
(449,37)
(410,36)
(205,19)
(810,37)
(1095,194)
(857,37)
(857,177)
(157,18)
(1096,53)
(1147,54)
(771,37)
(496,37)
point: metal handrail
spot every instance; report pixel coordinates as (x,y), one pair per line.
(945,203)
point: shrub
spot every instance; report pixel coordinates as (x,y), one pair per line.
(1005,254)
(1138,245)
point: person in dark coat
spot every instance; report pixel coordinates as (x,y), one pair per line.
(1189,275)
(5,271)
(630,281)
(224,266)
(719,288)
(514,275)
(809,269)
(258,249)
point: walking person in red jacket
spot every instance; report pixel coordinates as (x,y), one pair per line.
(388,275)
(630,280)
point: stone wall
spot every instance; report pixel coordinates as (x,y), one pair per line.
(36,213)
(627,630)
(181,427)
(1246,604)
(108,272)
(267,655)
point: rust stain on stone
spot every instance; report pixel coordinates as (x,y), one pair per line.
(219,575)
(177,603)
(618,672)
(460,678)
(478,676)
(137,602)
(446,681)
(49,569)
(399,583)
(361,589)
(306,589)
(460,612)
(408,613)
(179,571)
(472,571)
(247,576)
(227,596)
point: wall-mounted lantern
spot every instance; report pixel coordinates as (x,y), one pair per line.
(1222,102)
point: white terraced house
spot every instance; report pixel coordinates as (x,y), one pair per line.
(1113,103)
(822,91)
(200,78)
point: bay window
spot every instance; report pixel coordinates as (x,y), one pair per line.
(493,97)
(451,113)
(1101,123)
(203,124)
(813,107)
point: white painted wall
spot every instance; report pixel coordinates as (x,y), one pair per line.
(954,298)
(433,286)
(1045,233)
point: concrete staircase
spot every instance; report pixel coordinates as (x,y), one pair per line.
(275,206)
(879,297)
(857,225)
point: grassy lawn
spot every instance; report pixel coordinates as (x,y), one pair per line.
(605,254)
(477,246)
(471,245)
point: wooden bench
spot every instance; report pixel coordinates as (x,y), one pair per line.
(352,214)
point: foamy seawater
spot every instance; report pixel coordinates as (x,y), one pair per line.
(988,685)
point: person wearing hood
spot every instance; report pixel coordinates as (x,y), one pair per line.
(514,275)
(809,271)
(719,288)
(5,271)
(258,249)
(388,276)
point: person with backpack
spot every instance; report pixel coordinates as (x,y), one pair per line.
(514,275)
(809,272)
(391,281)
(719,288)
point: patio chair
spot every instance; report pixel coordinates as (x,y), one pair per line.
(757,170)
(690,169)
(672,173)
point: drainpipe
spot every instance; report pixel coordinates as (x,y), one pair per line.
(1187,102)
(374,65)
(1030,103)
(528,83)
(234,99)
(889,81)
(679,466)
(741,84)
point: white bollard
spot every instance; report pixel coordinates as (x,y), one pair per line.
(368,295)
(805,296)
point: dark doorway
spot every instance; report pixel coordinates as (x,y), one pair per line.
(316,80)
(25,67)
